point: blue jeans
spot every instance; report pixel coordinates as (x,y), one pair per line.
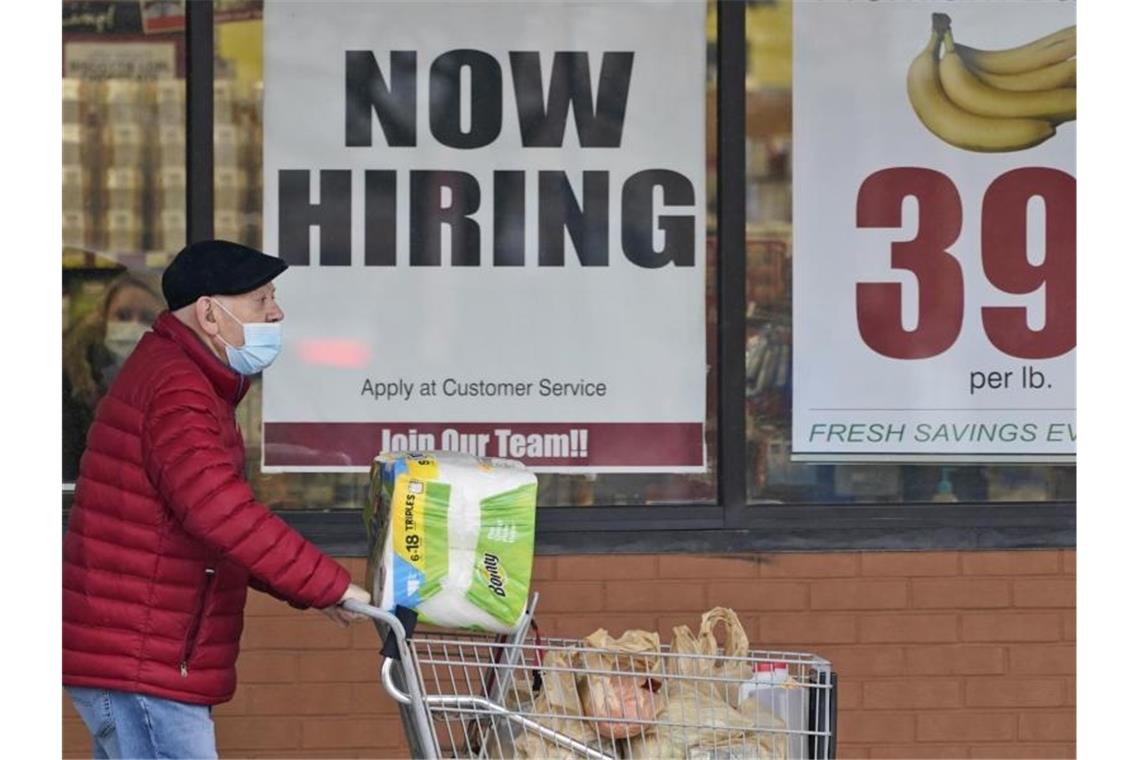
(126,725)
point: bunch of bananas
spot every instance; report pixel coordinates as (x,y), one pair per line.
(994,100)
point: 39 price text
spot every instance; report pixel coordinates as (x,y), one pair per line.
(1005,263)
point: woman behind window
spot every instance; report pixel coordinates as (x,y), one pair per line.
(93,351)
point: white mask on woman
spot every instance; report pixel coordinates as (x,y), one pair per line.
(122,337)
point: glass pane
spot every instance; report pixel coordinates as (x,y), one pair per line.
(238,184)
(124,192)
(772,477)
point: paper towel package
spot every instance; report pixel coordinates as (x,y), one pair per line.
(451,536)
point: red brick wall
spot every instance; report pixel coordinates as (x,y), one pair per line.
(940,654)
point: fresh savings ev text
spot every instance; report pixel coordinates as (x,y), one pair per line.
(446,208)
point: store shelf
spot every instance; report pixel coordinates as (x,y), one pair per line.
(764,318)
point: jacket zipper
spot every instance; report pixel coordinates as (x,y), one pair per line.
(195,625)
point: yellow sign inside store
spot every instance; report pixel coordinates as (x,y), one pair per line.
(240,43)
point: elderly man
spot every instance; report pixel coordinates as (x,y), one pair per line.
(166,534)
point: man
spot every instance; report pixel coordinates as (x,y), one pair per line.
(165,533)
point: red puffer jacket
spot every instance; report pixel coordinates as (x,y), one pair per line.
(165,533)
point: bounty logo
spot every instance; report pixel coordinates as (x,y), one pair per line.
(495,574)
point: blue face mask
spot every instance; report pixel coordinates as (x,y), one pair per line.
(262,344)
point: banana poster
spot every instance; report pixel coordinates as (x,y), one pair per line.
(934,286)
(495,228)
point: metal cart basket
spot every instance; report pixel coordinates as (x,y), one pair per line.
(473,695)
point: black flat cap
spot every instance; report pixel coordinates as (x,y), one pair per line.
(216,268)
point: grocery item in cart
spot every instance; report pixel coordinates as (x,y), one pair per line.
(773,694)
(560,708)
(480,695)
(697,725)
(702,689)
(732,664)
(452,537)
(622,677)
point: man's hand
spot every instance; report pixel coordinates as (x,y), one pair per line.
(343,617)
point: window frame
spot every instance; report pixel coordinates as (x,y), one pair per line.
(733,525)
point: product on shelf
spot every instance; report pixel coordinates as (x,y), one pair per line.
(123,102)
(74,101)
(769,268)
(229,188)
(227,225)
(172,145)
(76,188)
(74,148)
(224,99)
(227,145)
(124,145)
(124,157)
(123,230)
(171,189)
(170,232)
(77,229)
(123,190)
(170,102)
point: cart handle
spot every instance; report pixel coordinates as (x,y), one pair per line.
(375,613)
(394,625)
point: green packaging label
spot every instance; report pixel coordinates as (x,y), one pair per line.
(504,555)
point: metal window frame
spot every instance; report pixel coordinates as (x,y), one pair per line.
(733,525)
(199,121)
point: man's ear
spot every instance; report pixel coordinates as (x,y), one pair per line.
(207,316)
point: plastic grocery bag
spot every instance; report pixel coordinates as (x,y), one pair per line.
(695,724)
(452,537)
(527,744)
(621,677)
(691,719)
(698,719)
(636,652)
(558,706)
(714,672)
(560,683)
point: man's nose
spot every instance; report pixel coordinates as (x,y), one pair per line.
(276,314)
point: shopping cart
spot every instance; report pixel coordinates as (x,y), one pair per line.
(473,695)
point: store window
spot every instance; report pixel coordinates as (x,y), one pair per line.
(124,191)
(238,135)
(772,476)
(124,215)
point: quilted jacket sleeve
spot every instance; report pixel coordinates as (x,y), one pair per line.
(186,461)
(257,584)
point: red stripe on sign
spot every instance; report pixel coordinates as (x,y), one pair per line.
(538,444)
(172,23)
